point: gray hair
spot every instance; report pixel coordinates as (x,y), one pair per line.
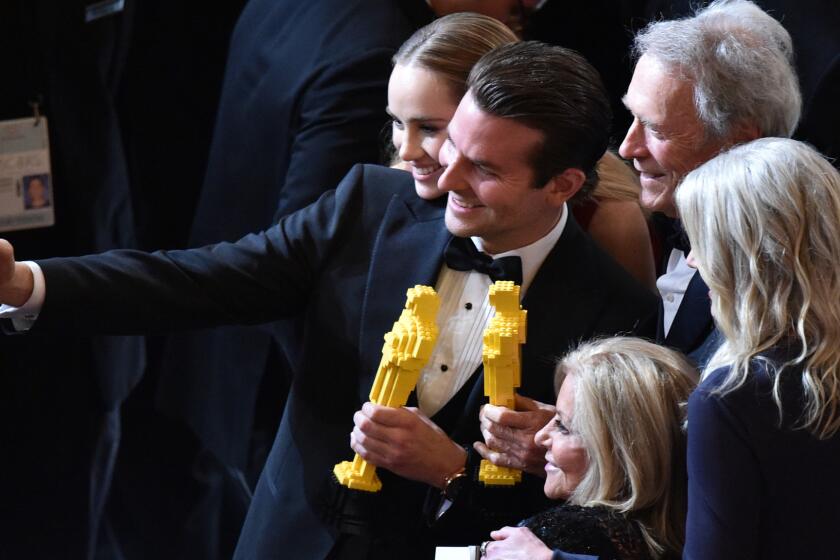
(764,224)
(740,61)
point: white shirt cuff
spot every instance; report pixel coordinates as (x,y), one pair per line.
(24,317)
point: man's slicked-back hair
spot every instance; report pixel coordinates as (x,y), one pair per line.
(553,90)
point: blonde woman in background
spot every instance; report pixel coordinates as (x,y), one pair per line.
(764,425)
(615,454)
(426,85)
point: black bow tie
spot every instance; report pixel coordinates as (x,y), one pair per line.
(674,235)
(462,254)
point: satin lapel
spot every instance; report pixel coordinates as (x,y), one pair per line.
(660,323)
(693,320)
(408,250)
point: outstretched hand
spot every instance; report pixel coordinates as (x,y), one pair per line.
(7,262)
(516,543)
(404,441)
(509,435)
(16,281)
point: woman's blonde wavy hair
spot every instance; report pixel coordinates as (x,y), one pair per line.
(764,223)
(630,406)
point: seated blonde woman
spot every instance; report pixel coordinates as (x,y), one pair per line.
(764,424)
(429,78)
(615,454)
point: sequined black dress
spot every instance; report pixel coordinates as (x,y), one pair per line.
(595,531)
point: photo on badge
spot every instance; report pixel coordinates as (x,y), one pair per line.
(36,191)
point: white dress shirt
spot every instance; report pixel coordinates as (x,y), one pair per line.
(24,317)
(672,286)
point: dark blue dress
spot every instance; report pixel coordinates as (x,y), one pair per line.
(758,488)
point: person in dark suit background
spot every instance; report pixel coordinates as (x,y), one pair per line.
(601,31)
(166,103)
(700,85)
(821,119)
(346,262)
(61,397)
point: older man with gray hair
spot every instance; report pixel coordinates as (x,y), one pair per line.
(702,84)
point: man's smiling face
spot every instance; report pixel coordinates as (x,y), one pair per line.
(667,138)
(490,180)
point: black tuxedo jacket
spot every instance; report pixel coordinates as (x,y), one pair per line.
(693,322)
(345,262)
(692,331)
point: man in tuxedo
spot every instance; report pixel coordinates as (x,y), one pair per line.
(303,99)
(700,85)
(529,131)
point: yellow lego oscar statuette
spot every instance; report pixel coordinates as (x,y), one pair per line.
(406,350)
(502,373)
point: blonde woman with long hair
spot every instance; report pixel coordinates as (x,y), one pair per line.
(764,425)
(615,453)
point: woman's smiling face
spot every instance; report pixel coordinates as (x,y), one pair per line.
(421,104)
(566,458)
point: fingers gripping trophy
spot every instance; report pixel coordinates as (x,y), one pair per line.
(407,348)
(502,366)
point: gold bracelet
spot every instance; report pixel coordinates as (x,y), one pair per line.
(449,490)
